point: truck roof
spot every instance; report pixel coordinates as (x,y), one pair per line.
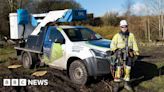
(68,27)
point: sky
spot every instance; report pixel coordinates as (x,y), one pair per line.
(100,7)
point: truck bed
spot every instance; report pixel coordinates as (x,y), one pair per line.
(27,49)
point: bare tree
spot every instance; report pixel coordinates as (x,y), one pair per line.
(111,18)
(156,8)
(128,7)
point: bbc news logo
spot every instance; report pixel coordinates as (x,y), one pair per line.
(24,82)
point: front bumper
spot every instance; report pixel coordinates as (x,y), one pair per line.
(97,66)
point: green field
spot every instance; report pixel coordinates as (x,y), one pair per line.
(7,53)
(105,31)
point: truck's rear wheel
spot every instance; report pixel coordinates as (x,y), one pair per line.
(28,60)
(78,73)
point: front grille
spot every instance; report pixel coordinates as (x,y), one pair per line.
(102,65)
(109,53)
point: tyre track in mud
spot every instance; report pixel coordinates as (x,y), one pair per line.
(58,80)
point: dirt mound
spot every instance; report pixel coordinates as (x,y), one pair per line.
(59,82)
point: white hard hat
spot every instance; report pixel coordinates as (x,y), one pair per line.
(123,23)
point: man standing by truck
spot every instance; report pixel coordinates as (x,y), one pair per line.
(124,45)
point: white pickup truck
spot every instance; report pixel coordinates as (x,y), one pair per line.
(77,49)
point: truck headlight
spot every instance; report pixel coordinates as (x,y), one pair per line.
(98,54)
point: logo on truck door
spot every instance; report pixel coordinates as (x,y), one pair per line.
(52,48)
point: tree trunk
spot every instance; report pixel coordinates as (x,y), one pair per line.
(146,28)
(149,39)
(159,25)
(162,23)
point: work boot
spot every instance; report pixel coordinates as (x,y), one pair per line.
(128,87)
(117,74)
(127,73)
(116,87)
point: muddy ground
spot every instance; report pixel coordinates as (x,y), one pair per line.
(145,69)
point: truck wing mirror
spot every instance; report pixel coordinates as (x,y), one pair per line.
(62,41)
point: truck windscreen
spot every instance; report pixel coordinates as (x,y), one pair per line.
(81,34)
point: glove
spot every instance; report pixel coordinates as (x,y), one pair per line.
(131,54)
(136,53)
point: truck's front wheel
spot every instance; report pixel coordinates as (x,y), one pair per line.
(78,73)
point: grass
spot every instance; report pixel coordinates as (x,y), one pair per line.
(156,70)
(156,84)
(6,53)
(105,31)
(109,31)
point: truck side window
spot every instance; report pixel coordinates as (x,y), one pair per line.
(86,34)
(55,35)
(73,34)
(52,34)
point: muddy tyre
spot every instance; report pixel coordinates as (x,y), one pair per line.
(78,72)
(28,60)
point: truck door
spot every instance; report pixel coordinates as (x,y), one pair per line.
(54,47)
